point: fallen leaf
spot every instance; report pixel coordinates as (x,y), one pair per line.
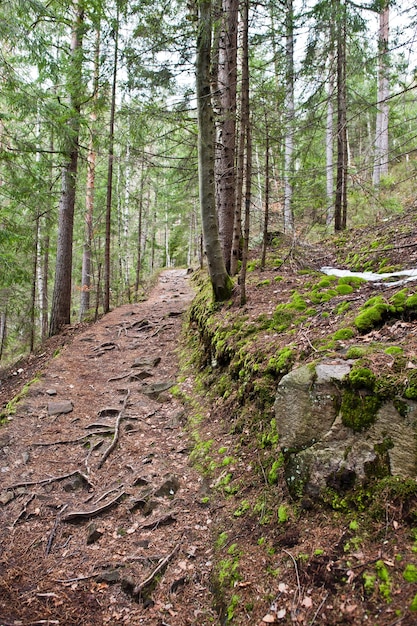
(283,587)
(281,613)
(269,619)
(307,602)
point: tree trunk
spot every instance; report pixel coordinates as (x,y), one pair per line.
(330,131)
(340,209)
(289,114)
(266,208)
(107,243)
(381,130)
(90,192)
(220,280)
(248,145)
(226,97)
(61,299)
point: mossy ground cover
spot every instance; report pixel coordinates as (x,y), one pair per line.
(241,354)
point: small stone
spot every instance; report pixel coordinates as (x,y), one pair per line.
(146,361)
(56,408)
(51,392)
(169,487)
(6,497)
(93,534)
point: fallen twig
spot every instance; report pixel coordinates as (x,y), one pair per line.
(48,481)
(24,509)
(53,531)
(137,591)
(113,444)
(298,580)
(319,609)
(62,442)
(74,516)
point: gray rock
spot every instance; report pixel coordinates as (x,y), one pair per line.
(307,403)
(51,392)
(320,451)
(64,406)
(93,534)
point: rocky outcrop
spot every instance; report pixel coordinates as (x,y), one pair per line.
(321,451)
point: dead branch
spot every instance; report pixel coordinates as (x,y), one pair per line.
(111,380)
(48,481)
(24,509)
(75,516)
(62,442)
(53,531)
(113,444)
(137,591)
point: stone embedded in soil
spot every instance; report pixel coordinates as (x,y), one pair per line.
(146,361)
(93,534)
(155,389)
(169,487)
(56,408)
(75,483)
(51,392)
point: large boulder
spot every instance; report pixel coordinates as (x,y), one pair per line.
(321,451)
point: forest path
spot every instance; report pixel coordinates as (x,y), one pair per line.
(101,513)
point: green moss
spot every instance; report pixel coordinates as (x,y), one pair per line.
(355,352)
(359,410)
(411,390)
(278,279)
(326,282)
(344,290)
(264,283)
(394,350)
(410,573)
(374,312)
(342,308)
(362,378)
(273,474)
(343,334)
(281,363)
(354,281)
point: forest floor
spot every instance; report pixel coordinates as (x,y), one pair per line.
(91,522)
(105,520)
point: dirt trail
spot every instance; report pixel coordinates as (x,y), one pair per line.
(101,515)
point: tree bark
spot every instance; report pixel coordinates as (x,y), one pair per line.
(61,299)
(289,114)
(248,146)
(107,243)
(340,209)
(220,280)
(226,98)
(381,129)
(90,192)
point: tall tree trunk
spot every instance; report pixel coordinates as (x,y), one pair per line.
(340,209)
(266,208)
(381,130)
(107,243)
(139,231)
(220,280)
(248,146)
(61,299)
(226,98)
(3,318)
(330,129)
(289,114)
(90,192)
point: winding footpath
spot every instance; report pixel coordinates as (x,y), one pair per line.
(101,513)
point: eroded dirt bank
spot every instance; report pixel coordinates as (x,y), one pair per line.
(101,515)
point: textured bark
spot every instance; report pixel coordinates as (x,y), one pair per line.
(220,280)
(90,192)
(289,115)
(381,130)
(61,299)
(340,209)
(266,207)
(248,146)
(107,243)
(226,100)
(330,134)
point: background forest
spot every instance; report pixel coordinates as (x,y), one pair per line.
(314,130)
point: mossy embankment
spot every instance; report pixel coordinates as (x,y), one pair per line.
(233,359)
